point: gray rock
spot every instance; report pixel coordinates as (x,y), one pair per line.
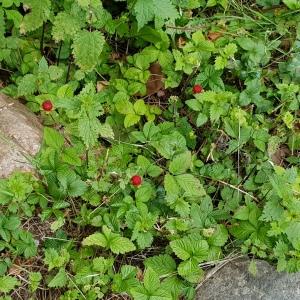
(20,136)
(235,282)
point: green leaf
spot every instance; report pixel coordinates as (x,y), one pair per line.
(8,283)
(71,157)
(140,107)
(27,85)
(292,233)
(65,26)
(181,163)
(171,185)
(77,188)
(131,119)
(145,192)
(242,230)
(190,270)
(34,279)
(219,237)
(53,138)
(192,246)
(121,245)
(191,185)
(55,259)
(151,280)
(146,10)
(106,131)
(87,48)
(89,129)
(39,13)
(59,280)
(96,239)
(162,264)
(292,4)
(201,119)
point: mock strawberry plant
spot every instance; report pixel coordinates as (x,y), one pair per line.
(171,140)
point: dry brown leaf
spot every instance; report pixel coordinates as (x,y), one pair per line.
(155,81)
(213,36)
(101,85)
(181,42)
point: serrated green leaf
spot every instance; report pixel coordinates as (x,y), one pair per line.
(162,264)
(96,239)
(131,119)
(39,13)
(181,163)
(87,47)
(53,138)
(59,280)
(191,185)
(8,283)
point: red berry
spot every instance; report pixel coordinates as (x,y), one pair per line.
(136,180)
(47,105)
(197,89)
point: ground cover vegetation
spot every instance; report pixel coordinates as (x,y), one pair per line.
(171,141)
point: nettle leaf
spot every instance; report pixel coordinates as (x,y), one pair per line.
(55,259)
(89,128)
(8,283)
(146,10)
(59,280)
(87,47)
(39,13)
(65,26)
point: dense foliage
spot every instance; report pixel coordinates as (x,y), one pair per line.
(171,141)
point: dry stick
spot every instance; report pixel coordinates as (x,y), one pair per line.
(217,268)
(59,51)
(233,187)
(42,39)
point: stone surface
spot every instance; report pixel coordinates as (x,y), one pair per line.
(234,282)
(20,136)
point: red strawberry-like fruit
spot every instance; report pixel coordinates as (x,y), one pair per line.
(197,89)
(136,180)
(47,105)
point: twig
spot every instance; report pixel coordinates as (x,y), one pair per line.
(233,187)
(217,268)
